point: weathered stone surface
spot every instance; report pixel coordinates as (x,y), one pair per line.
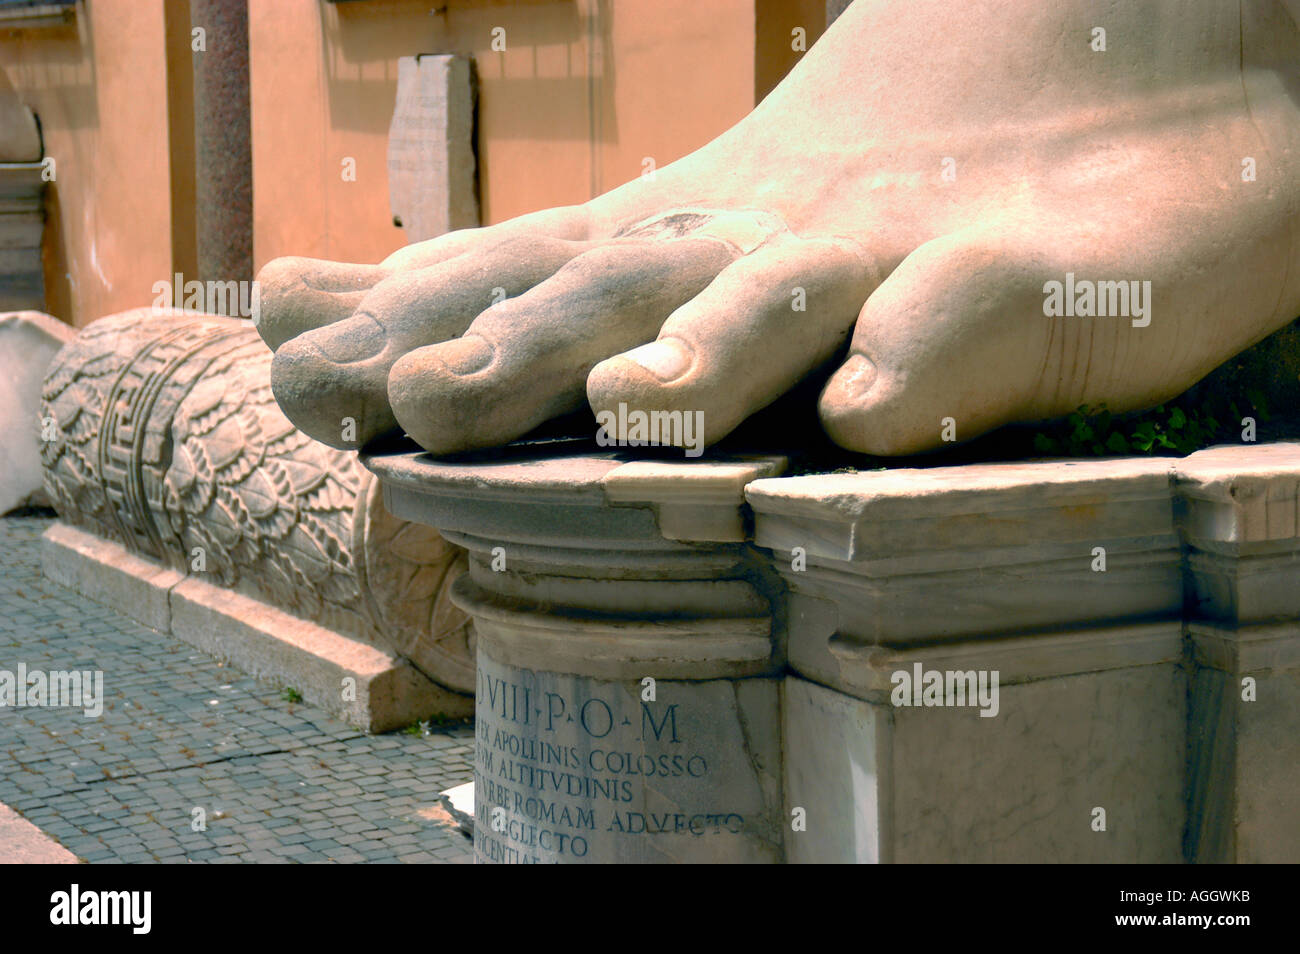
(997,570)
(943,785)
(571,571)
(1098,705)
(910,556)
(572,769)
(353,680)
(1244,758)
(1241,520)
(949,783)
(405,572)
(699,504)
(832,770)
(935,230)
(432,180)
(166,440)
(1024,786)
(28,342)
(108,573)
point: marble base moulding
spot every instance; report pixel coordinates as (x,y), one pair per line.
(627,686)
(698,660)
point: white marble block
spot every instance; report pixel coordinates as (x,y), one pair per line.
(432,184)
(627,703)
(29,340)
(881,783)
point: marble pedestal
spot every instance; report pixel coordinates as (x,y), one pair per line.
(629,656)
(707,661)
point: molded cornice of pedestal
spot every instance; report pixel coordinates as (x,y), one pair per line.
(695,501)
(1237,510)
(875,515)
(1240,495)
(596,566)
(917,556)
(619,648)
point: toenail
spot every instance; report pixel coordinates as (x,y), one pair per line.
(353,339)
(667,359)
(466,355)
(857,376)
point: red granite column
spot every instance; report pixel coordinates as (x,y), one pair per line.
(223,155)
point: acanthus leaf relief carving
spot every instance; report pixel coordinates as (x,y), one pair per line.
(166,438)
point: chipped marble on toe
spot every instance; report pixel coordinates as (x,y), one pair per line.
(336,404)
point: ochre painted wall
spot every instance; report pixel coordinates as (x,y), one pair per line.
(584,91)
(99,87)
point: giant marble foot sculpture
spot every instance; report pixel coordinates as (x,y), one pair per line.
(926,188)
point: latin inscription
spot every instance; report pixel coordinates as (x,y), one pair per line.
(572,769)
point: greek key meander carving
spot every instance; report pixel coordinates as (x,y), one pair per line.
(162,434)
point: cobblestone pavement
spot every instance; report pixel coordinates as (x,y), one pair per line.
(276,781)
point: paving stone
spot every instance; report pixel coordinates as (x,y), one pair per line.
(293,783)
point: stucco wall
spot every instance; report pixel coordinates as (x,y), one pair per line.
(98,86)
(584,91)
(583,94)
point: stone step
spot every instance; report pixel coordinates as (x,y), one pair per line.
(351,680)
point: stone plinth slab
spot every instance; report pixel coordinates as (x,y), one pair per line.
(914,557)
(384,692)
(1087,618)
(359,683)
(108,573)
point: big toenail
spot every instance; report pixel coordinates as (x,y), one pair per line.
(667,359)
(353,339)
(857,376)
(466,355)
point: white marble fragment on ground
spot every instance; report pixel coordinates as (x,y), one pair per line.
(28,342)
(459,802)
(22,843)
